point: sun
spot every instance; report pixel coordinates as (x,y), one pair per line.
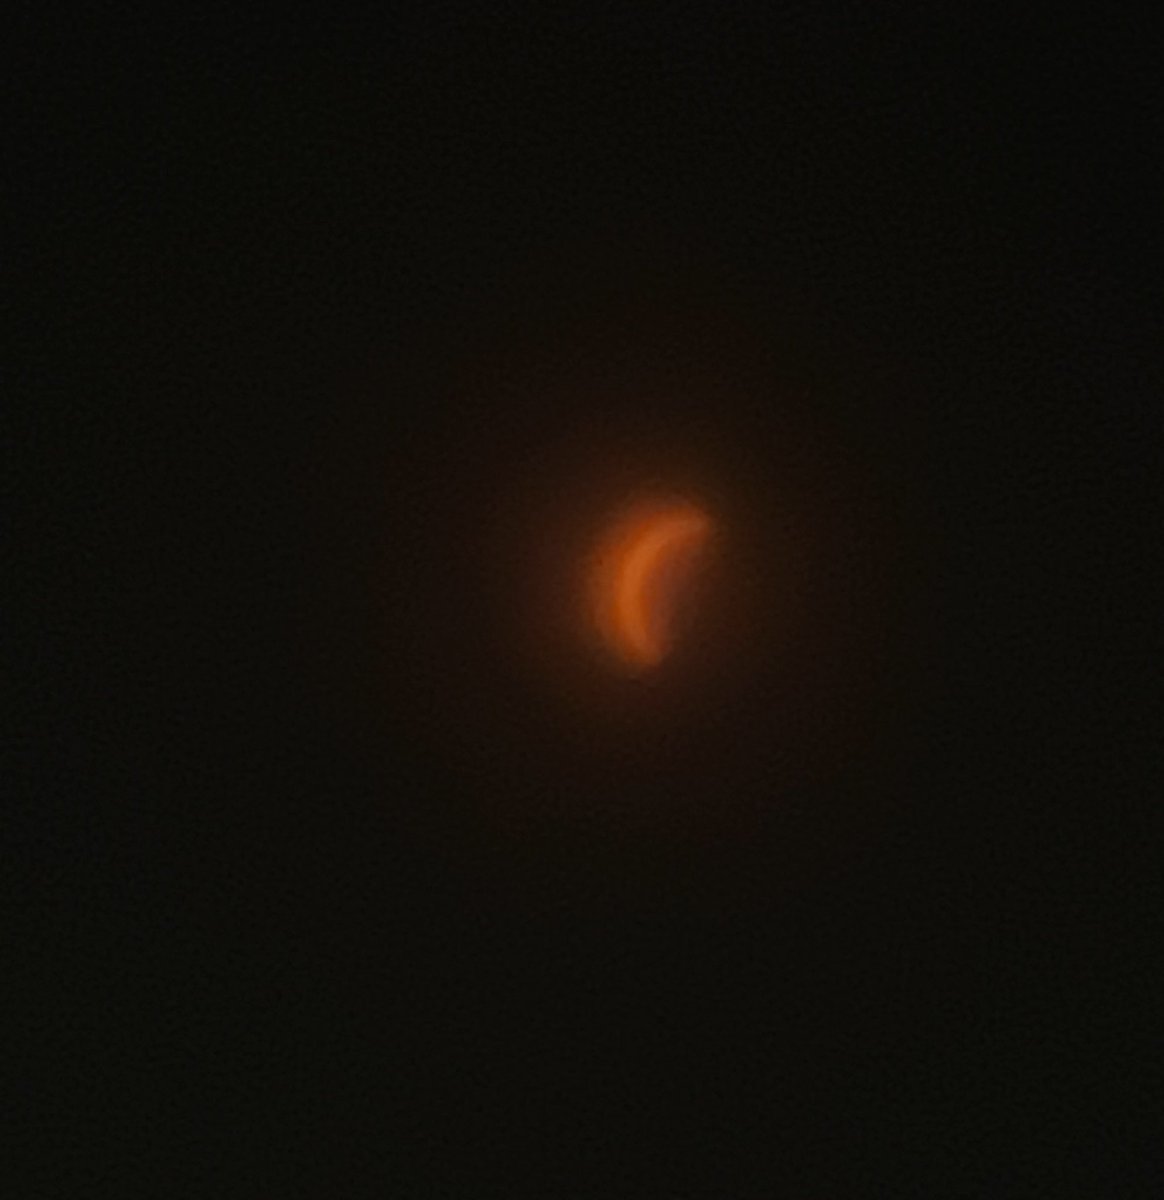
(640,578)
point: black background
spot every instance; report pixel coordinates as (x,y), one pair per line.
(345,863)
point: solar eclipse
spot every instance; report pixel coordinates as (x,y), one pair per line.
(643,581)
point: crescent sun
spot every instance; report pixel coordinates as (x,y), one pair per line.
(640,574)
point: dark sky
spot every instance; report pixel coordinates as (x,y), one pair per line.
(346,867)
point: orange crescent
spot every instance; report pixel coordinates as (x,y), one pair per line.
(631,560)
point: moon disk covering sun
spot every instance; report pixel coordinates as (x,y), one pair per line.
(642,579)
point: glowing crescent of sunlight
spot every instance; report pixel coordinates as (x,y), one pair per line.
(646,550)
